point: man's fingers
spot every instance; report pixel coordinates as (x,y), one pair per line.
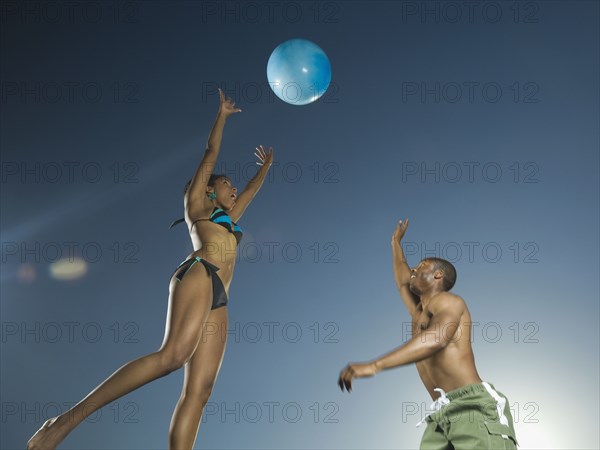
(342,378)
(348,374)
(397,229)
(342,383)
(348,385)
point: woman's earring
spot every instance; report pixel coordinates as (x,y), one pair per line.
(212,195)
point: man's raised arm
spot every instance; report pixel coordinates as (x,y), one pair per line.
(401,269)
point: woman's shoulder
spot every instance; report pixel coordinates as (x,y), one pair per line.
(197,208)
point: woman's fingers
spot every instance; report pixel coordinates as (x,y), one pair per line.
(228,101)
(262,152)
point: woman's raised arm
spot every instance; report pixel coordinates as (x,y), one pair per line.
(197,189)
(265,160)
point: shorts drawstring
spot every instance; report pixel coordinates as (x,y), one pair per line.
(442,400)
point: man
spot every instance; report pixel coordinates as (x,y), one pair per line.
(468,413)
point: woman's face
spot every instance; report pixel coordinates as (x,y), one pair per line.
(226,193)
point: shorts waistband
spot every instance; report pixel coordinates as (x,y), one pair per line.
(464,391)
(467,390)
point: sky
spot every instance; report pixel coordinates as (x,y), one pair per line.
(478,121)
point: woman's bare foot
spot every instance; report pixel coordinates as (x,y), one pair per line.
(51,433)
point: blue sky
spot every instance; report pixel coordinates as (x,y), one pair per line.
(478,123)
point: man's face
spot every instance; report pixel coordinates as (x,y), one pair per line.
(421,277)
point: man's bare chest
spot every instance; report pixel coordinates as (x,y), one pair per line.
(420,319)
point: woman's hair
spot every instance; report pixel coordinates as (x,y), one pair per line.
(211,181)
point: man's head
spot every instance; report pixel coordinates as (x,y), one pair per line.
(432,274)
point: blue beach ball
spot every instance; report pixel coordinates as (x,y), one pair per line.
(298,71)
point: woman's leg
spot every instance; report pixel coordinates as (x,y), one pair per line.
(200,375)
(190,301)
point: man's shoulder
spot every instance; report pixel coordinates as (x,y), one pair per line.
(447,299)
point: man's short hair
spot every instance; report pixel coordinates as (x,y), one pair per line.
(448,269)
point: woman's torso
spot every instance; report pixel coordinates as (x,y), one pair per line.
(214,243)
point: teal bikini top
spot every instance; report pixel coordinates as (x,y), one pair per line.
(220,217)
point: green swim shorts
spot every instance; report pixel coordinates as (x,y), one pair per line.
(475,416)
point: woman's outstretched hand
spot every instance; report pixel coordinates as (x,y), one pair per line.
(227,107)
(264,159)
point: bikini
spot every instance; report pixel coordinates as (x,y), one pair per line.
(218,216)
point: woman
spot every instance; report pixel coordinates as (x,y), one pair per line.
(198,295)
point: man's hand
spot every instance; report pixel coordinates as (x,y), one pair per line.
(352,371)
(399,232)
